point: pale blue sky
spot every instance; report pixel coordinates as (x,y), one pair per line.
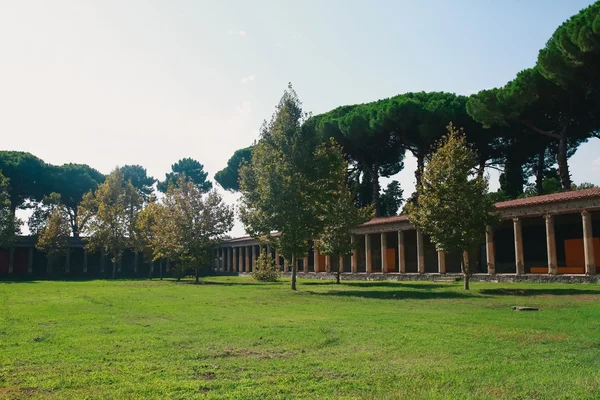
(148,82)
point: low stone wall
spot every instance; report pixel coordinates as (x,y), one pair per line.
(534,278)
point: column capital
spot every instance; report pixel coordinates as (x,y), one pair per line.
(516,219)
(549,217)
(585,213)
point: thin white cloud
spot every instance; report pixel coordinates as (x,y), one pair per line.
(237,33)
(249,78)
(596,165)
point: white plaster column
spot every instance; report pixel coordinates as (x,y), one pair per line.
(85,260)
(519,259)
(401,253)
(30,261)
(327,263)
(341,264)
(11,260)
(420,253)
(588,243)
(490,250)
(354,257)
(368,260)
(551,245)
(384,262)
(317,260)
(441,261)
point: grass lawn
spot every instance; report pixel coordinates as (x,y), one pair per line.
(235,338)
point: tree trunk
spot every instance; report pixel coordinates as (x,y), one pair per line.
(539,173)
(197,274)
(160,269)
(466,269)
(481,168)
(375,187)
(563,165)
(114,269)
(293,272)
(420,168)
(337,275)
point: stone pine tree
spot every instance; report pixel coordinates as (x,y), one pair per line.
(9,224)
(341,214)
(282,187)
(193,171)
(453,207)
(110,217)
(53,237)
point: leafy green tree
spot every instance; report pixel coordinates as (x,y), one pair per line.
(283,187)
(192,170)
(341,214)
(265,270)
(148,232)
(53,237)
(229,176)
(27,175)
(9,224)
(546,109)
(191,224)
(453,206)
(110,218)
(391,199)
(137,175)
(584,185)
(71,182)
(43,211)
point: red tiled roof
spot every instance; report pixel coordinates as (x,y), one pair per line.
(528,201)
(550,198)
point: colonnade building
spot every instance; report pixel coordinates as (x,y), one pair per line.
(556,234)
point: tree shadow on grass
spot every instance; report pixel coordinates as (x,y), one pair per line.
(396,294)
(539,292)
(386,284)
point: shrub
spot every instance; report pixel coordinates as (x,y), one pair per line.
(265,270)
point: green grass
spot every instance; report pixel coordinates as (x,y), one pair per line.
(235,338)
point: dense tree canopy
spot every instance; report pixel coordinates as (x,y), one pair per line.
(192,170)
(229,176)
(137,175)
(26,174)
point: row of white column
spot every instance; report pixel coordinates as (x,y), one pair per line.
(230,258)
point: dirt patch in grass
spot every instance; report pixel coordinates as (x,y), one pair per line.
(252,353)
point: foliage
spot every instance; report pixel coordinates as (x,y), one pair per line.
(71,182)
(187,226)
(229,176)
(43,211)
(284,185)
(453,207)
(391,199)
(10,226)
(137,175)
(193,172)
(340,214)
(265,270)
(27,176)
(111,212)
(53,238)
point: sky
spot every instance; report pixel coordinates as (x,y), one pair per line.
(108,83)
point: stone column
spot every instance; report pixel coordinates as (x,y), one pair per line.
(519,259)
(384,263)
(490,251)
(305,264)
(368,260)
(441,261)
(30,261)
(401,253)
(235,259)
(11,260)
(68,260)
(420,253)
(241,266)
(354,257)
(551,245)
(85,260)
(317,260)
(588,243)
(327,263)
(248,266)
(136,258)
